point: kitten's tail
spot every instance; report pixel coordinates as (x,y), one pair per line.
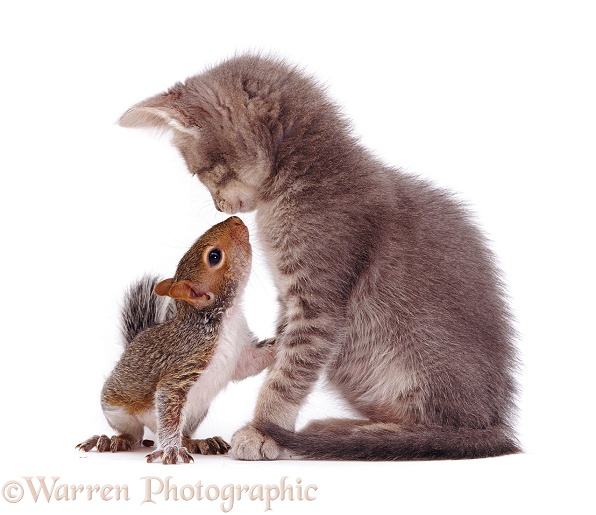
(142,308)
(360,440)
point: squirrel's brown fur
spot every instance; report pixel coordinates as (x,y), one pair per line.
(169,372)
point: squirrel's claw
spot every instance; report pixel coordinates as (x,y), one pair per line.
(154,456)
(116,443)
(208,446)
(88,444)
(170,455)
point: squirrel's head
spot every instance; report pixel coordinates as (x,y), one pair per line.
(215,267)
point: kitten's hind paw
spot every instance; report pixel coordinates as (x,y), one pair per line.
(170,455)
(215,445)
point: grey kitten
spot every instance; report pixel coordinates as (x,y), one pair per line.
(386,286)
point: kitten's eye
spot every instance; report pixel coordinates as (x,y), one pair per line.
(214,257)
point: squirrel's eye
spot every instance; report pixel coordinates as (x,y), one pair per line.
(214,257)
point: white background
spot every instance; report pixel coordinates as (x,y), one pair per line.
(492,100)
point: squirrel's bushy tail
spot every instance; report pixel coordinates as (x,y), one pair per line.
(142,308)
(361,440)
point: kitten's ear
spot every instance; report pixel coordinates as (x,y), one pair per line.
(192,293)
(157,112)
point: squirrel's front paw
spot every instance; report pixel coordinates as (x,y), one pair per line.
(249,443)
(170,455)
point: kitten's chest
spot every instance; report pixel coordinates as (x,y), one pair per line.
(283,244)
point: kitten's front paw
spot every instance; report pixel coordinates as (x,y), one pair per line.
(170,455)
(250,444)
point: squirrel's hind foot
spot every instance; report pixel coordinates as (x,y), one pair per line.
(208,446)
(88,444)
(103,443)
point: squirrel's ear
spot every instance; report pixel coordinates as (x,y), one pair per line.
(192,293)
(163,288)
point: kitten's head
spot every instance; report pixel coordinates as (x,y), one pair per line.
(231,124)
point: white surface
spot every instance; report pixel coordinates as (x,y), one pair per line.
(496,103)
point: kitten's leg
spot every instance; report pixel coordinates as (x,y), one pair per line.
(304,348)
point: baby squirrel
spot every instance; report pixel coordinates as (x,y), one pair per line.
(170,372)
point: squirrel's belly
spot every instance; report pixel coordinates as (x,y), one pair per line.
(219,372)
(128,422)
(149,419)
(211,381)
